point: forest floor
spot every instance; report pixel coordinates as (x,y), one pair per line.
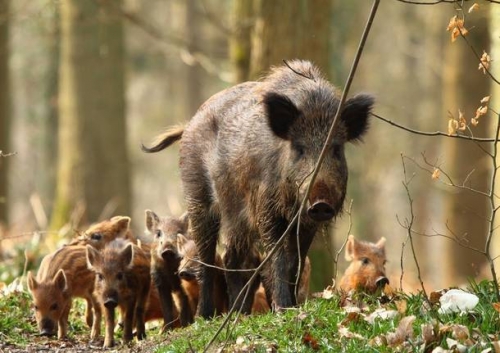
(329,322)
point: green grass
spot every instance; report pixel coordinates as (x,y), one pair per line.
(319,325)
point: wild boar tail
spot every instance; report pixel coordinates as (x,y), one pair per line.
(164,140)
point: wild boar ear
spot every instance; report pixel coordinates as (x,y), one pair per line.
(381,243)
(281,113)
(349,248)
(128,255)
(355,115)
(92,256)
(152,221)
(32,283)
(60,280)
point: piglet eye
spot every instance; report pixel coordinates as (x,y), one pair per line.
(365,261)
(53,307)
(158,233)
(96,236)
(36,307)
(99,276)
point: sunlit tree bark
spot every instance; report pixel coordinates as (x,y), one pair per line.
(4,108)
(93,160)
(466,212)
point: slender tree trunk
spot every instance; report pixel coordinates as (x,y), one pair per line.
(466,212)
(495,103)
(239,45)
(290,29)
(294,29)
(194,74)
(93,159)
(4,109)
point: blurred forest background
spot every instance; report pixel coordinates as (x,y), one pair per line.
(84,82)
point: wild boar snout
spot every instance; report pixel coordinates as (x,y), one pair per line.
(321,211)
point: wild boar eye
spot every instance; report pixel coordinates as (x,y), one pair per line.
(96,236)
(299,149)
(336,150)
(365,261)
(36,307)
(100,277)
(53,307)
(119,276)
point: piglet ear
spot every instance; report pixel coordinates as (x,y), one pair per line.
(122,223)
(128,255)
(350,248)
(152,221)
(32,283)
(60,280)
(92,256)
(381,243)
(355,115)
(281,113)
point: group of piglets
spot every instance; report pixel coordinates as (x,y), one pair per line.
(157,279)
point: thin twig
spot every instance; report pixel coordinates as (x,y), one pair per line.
(436,133)
(409,226)
(337,255)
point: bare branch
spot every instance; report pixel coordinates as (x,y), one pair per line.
(7,154)
(436,133)
(409,226)
(337,255)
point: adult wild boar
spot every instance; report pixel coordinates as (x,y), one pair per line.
(246,159)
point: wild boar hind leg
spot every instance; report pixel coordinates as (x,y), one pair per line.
(238,257)
(205,229)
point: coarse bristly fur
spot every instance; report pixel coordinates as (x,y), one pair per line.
(62,276)
(246,158)
(122,280)
(166,233)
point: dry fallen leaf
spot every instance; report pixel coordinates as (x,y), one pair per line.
(456,25)
(344,332)
(452,126)
(436,173)
(402,333)
(428,333)
(310,341)
(496,306)
(382,314)
(434,296)
(402,306)
(485,62)
(485,99)
(461,121)
(474,7)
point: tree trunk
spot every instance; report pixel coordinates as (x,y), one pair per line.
(239,45)
(495,99)
(290,29)
(294,29)
(93,160)
(4,109)
(466,212)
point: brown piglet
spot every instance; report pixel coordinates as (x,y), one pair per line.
(188,271)
(62,276)
(366,271)
(122,280)
(101,233)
